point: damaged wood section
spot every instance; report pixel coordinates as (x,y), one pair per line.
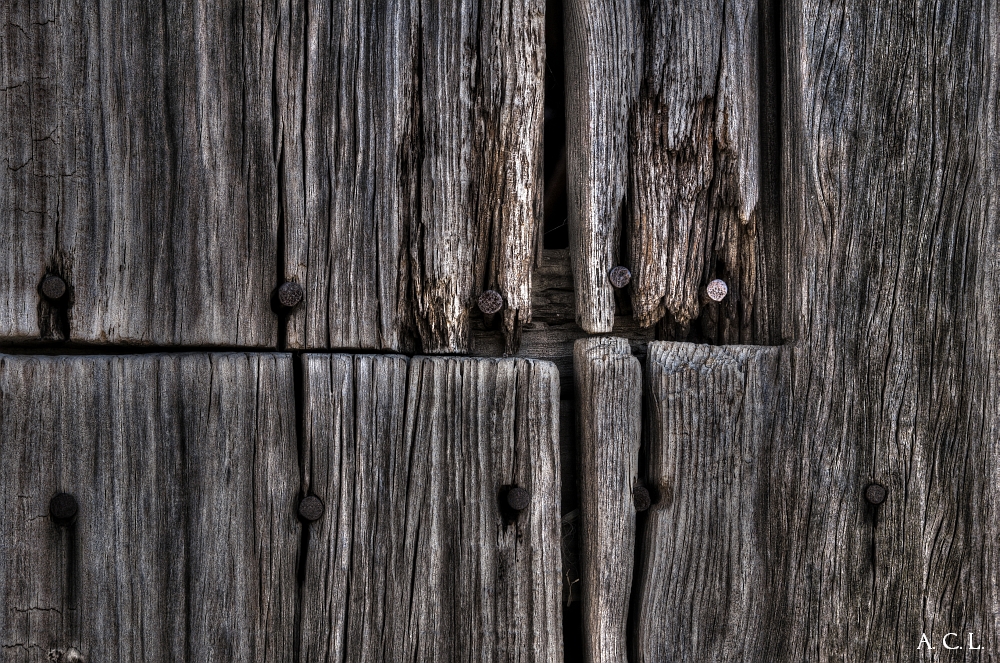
(184,543)
(136,163)
(663,144)
(420,554)
(411,145)
(609,422)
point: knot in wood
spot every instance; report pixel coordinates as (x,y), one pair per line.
(490,302)
(876,493)
(63,507)
(620,276)
(641,498)
(53,287)
(518,498)
(311,508)
(290,294)
(717,290)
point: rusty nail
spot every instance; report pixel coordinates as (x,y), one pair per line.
(641,498)
(518,498)
(53,287)
(876,493)
(490,302)
(311,508)
(63,507)
(290,294)
(717,290)
(620,276)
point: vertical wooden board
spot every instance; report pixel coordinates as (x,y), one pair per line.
(416,557)
(891,148)
(703,587)
(609,406)
(185,544)
(416,185)
(602,48)
(137,164)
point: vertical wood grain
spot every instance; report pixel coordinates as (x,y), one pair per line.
(137,163)
(609,408)
(185,471)
(416,558)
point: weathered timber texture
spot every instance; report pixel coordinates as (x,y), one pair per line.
(601,52)
(418,557)
(185,544)
(892,148)
(412,180)
(136,161)
(609,407)
(701,583)
(662,155)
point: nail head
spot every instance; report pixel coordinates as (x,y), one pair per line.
(620,276)
(63,507)
(311,508)
(53,287)
(490,302)
(717,290)
(290,294)
(518,498)
(876,493)
(641,498)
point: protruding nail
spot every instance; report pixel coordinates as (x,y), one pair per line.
(53,287)
(72,655)
(717,290)
(311,508)
(876,493)
(290,294)
(63,507)
(490,302)
(518,498)
(641,498)
(620,276)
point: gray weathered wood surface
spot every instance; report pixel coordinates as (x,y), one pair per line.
(185,544)
(412,169)
(136,161)
(417,557)
(702,588)
(663,171)
(609,425)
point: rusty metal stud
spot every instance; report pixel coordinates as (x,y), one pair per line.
(518,498)
(53,287)
(311,508)
(490,302)
(63,507)
(290,294)
(641,498)
(876,493)
(717,290)
(620,276)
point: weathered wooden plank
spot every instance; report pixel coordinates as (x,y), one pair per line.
(601,86)
(418,556)
(417,184)
(138,165)
(609,407)
(702,590)
(185,542)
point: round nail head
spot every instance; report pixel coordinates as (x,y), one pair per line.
(53,287)
(641,498)
(290,294)
(876,493)
(73,656)
(518,498)
(717,290)
(311,508)
(63,507)
(620,277)
(490,302)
